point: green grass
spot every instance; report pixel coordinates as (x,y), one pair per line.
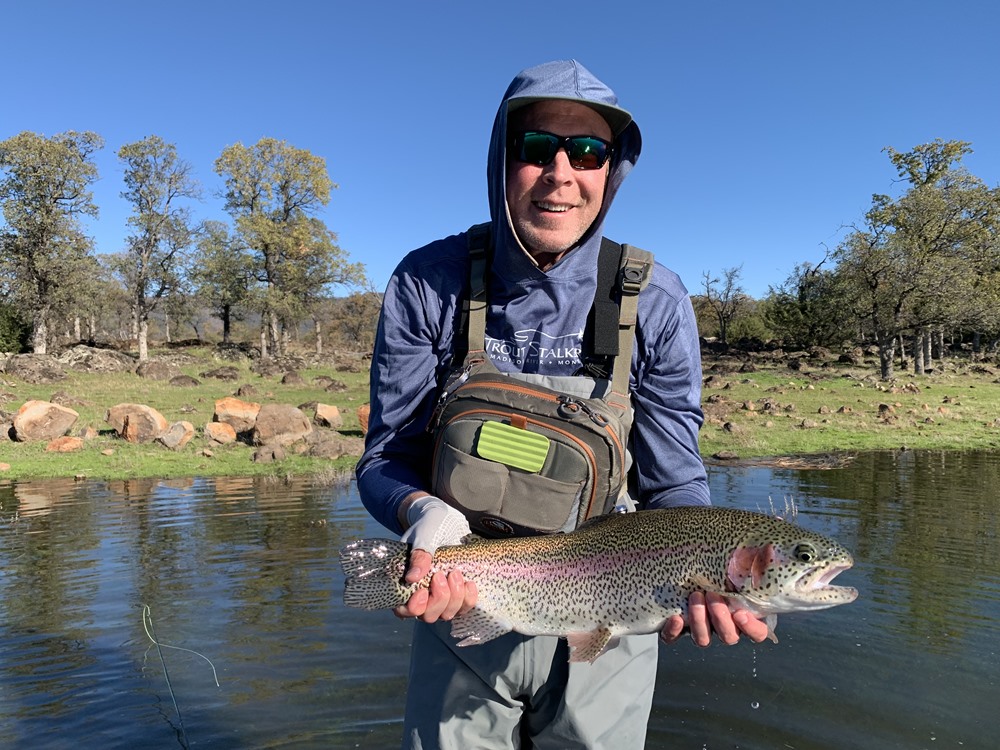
(773,411)
(776,411)
(99,391)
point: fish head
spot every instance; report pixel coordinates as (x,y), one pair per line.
(784,568)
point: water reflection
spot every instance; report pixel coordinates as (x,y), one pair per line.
(245,572)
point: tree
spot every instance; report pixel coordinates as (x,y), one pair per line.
(222,275)
(807,309)
(727,301)
(272,191)
(919,258)
(157,182)
(45,191)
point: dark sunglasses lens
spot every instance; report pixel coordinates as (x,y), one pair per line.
(538,148)
(587,153)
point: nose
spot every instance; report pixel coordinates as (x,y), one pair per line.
(559,170)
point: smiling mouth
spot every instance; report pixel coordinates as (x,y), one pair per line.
(556,208)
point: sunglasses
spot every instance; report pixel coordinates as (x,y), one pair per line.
(539,147)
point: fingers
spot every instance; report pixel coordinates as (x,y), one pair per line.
(709,613)
(756,630)
(447,596)
(673,629)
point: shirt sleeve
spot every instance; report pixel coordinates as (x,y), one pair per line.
(409,354)
(667,466)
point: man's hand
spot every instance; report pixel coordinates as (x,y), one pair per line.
(708,613)
(432,524)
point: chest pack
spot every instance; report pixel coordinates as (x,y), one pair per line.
(523,454)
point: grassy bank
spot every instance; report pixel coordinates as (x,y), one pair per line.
(755,406)
(777,406)
(107,456)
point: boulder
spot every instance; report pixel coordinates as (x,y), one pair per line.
(280,424)
(137,423)
(222,373)
(177,435)
(184,381)
(333,445)
(292,378)
(220,432)
(93,359)
(240,415)
(64,444)
(35,368)
(363,412)
(267,454)
(42,420)
(328,415)
(155,369)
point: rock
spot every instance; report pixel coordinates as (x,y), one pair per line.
(267,454)
(328,415)
(35,368)
(240,415)
(184,381)
(155,369)
(222,373)
(334,446)
(64,399)
(220,432)
(246,391)
(137,423)
(92,359)
(42,420)
(363,413)
(177,435)
(336,386)
(292,378)
(64,444)
(281,424)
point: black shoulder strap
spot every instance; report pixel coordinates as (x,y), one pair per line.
(470,332)
(622,272)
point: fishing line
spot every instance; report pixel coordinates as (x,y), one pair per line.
(147,625)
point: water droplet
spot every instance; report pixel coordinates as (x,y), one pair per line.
(754,705)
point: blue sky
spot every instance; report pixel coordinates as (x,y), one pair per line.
(763,122)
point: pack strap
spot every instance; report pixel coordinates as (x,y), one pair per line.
(622,272)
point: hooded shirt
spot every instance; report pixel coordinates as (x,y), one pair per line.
(535,324)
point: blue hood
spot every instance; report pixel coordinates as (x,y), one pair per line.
(563,79)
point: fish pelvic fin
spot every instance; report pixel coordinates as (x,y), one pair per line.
(374,570)
(588,646)
(478,626)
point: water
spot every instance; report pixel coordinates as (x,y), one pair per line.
(245,572)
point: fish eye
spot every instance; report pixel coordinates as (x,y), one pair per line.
(804,552)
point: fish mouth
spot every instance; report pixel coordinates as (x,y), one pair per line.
(818,581)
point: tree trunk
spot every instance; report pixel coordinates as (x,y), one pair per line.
(886,353)
(166,326)
(318,327)
(928,349)
(143,340)
(226,316)
(274,334)
(40,331)
(918,351)
(77,329)
(263,338)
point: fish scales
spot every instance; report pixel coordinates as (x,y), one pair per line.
(618,575)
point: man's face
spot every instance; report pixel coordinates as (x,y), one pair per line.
(552,205)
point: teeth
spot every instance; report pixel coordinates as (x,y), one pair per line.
(559,208)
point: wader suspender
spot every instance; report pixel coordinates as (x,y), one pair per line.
(622,272)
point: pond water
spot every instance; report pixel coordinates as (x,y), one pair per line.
(244,572)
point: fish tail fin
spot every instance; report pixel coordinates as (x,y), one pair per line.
(374,570)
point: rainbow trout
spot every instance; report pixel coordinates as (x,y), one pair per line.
(616,575)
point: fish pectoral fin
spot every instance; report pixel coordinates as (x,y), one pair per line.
(772,623)
(478,626)
(588,646)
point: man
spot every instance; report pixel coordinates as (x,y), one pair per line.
(559,151)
